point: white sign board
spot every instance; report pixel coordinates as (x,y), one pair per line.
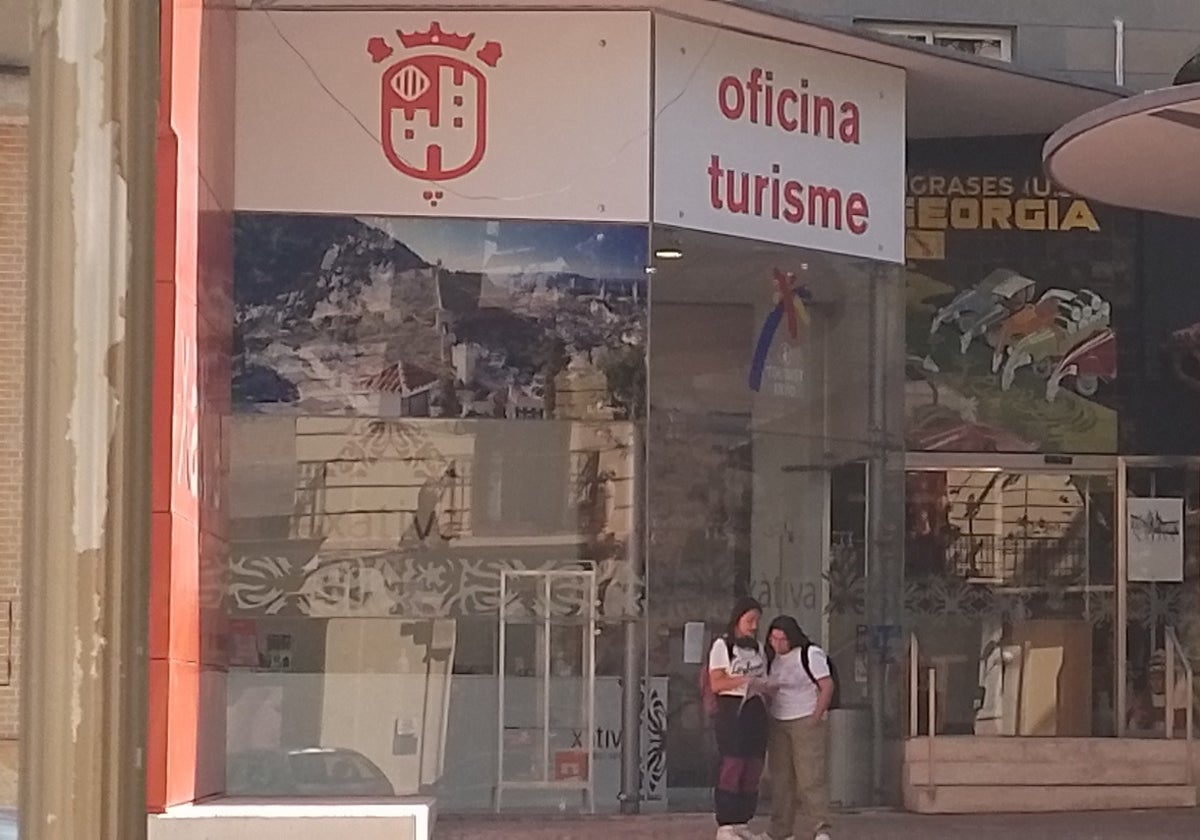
(1155,540)
(777,142)
(535,115)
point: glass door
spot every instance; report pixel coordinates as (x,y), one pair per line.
(1162,595)
(1010,588)
(546,709)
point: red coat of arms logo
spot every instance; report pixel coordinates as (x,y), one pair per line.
(433,103)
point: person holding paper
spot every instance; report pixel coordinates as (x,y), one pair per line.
(737,666)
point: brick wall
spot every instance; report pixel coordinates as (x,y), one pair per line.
(13,147)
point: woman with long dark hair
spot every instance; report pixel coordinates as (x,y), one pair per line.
(798,733)
(736,661)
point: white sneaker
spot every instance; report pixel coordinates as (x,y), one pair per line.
(823,834)
(747,833)
(729,832)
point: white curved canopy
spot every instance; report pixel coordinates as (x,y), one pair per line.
(1142,152)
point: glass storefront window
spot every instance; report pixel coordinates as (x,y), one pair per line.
(1010,587)
(765,362)
(1163,509)
(424,409)
(432,419)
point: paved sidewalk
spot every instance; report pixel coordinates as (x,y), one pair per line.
(1118,825)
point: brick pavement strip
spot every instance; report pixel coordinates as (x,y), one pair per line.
(1118,825)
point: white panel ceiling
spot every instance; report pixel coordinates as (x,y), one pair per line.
(1142,152)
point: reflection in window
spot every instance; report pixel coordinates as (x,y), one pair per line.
(758,438)
(420,406)
(985,42)
(1010,588)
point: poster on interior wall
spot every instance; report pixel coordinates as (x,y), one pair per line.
(399,318)
(1013,295)
(535,115)
(243,643)
(1155,543)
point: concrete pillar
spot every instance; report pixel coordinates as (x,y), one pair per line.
(87,456)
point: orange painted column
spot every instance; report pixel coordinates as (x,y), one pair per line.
(193,324)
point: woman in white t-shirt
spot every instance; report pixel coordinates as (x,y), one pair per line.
(737,668)
(798,733)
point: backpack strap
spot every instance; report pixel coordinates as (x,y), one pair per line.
(804,662)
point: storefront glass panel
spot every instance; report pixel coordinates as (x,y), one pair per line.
(427,412)
(421,409)
(774,373)
(1010,589)
(1163,570)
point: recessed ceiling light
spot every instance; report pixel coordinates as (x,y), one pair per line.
(668,253)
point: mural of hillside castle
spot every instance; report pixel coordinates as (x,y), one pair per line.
(350,316)
(1014,293)
(375,360)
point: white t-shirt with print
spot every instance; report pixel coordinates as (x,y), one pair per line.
(797,694)
(747,662)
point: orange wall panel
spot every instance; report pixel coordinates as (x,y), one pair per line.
(193,342)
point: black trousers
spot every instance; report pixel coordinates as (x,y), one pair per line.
(742,746)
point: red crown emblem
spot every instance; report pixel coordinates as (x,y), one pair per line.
(435,36)
(433,103)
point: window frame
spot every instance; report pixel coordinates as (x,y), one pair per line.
(929,33)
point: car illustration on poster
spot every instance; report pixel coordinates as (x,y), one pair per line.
(1032,318)
(1077,319)
(987,370)
(1091,362)
(992,301)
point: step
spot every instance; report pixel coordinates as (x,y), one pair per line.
(1048,773)
(1092,751)
(999,799)
(406,818)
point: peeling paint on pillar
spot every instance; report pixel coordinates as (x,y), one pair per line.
(77,689)
(90,321)
(95,184)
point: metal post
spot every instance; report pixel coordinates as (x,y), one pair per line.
(884,569)
(631,677)
(914,686)
(1169,723)
(90,325)
(874,547)
(547,630)
(875,619)
(933,678)
(501,693)
(1122,592)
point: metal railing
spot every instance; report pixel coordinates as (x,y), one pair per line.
(1176,654)
(914,703)
(1017,560)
